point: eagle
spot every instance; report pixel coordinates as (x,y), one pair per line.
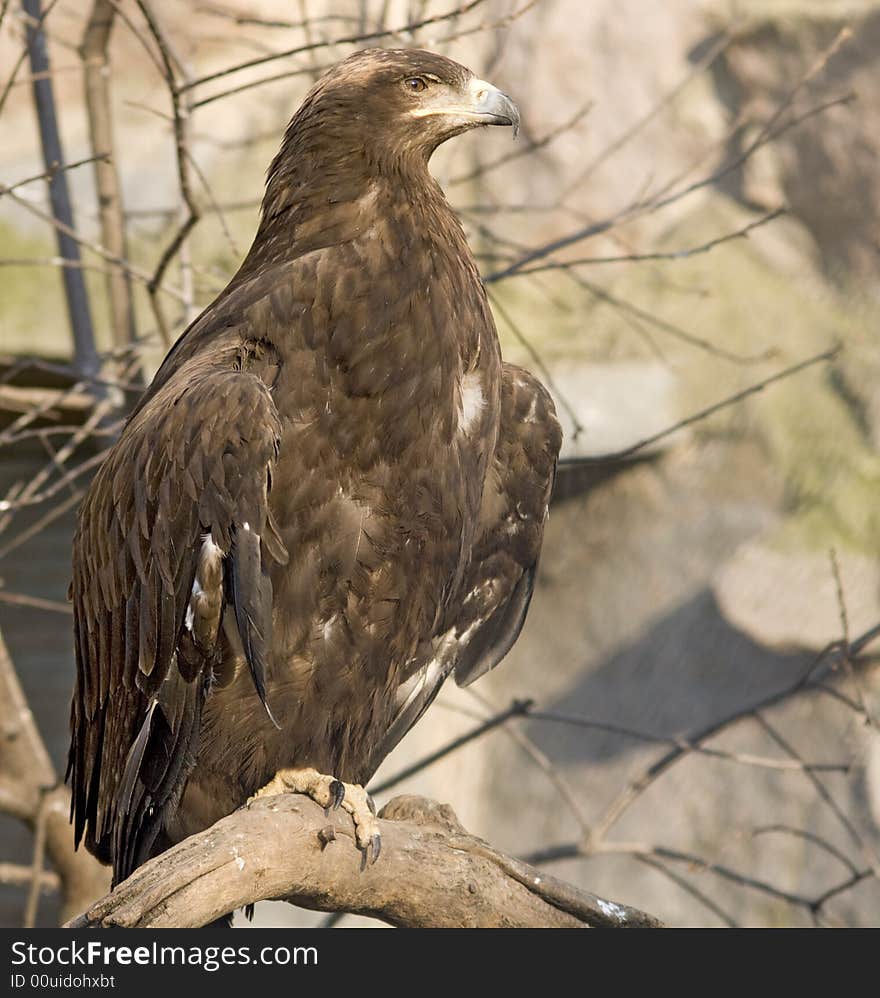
(331,497)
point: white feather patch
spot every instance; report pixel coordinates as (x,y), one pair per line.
(210,550)
(472,401)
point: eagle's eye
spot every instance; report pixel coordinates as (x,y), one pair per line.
(415,84)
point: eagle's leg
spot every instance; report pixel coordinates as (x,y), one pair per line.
(329,792)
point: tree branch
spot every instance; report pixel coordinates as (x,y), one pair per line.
(432,874)
(29,790)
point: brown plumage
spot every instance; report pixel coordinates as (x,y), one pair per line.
(332,495)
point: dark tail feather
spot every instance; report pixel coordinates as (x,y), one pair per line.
(251,594)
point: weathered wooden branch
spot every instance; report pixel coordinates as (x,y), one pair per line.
(30,790)
(431,874)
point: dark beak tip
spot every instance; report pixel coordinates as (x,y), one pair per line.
(501,109)
(511,114)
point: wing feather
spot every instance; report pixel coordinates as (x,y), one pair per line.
(485,620)
(193,462)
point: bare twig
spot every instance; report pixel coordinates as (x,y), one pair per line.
(825,357)
(529,148)
(516,709)
(182,108)
(355,39)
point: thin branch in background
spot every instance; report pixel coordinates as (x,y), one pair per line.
(539,758)
(628,311)
(742,758)
(638,208)
(863,708)
(214,206)
(354,39)
(35,602)
(36,498)
(51,172)
(405,33)
(527,149)
(683,254)
(824,794)
(521,268)
(182,108)
(56,261)
(516,709)
(720,46)
(816,840)
(697,863)
(308,26)
(636,320)
(845,885)
(539,363)
(498,24)
(252,20)
(94,50)
(143,37)
(101,251)
(825,357)
(39,857)
(823,664)
(700,896)
(22,56)
(40,403)
(17,875)
(58,37)
(32,491)
(308,71)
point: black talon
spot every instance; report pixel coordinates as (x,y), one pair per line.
(371,804)
(374,848)
(337,793)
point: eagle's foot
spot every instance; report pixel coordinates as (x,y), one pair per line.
(328,792)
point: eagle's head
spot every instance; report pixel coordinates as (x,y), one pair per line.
(403,101)
(378,113)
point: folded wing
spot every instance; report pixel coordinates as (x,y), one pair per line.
(484,622)
(175,528)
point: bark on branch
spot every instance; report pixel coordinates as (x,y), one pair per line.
(431,873)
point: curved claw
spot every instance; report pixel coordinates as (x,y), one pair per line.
(337,793)
(374,848)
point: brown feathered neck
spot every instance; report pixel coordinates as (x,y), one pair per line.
(332,154)
(346,155)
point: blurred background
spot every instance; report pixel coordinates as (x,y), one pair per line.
(683,238)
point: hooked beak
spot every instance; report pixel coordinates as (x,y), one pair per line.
(482,104)
(494,105)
